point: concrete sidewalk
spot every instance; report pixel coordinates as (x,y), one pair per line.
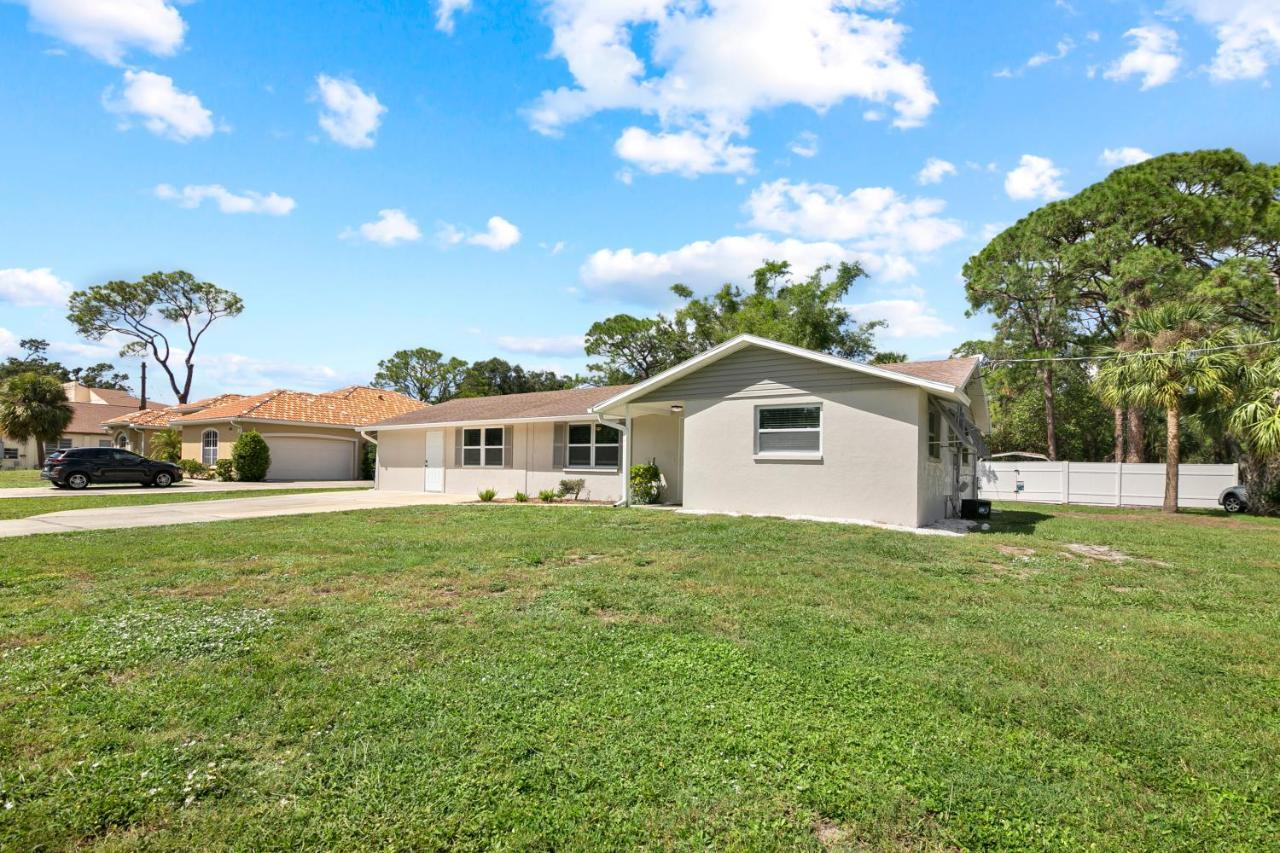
(185,486)
(159,515)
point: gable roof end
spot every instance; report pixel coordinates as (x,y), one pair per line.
(941,387)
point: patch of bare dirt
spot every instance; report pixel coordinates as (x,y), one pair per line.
(1099,552)
(580,559)
(1015,551)
(829,833)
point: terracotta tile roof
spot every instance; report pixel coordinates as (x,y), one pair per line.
(508,407)
(952,371)
(158,417)
(111,397)
(89,417)
(354,406)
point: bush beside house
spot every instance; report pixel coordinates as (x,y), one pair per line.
(251,457)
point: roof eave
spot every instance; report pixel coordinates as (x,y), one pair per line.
(482,422)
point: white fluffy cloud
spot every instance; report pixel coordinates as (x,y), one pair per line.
(873,219)
(561,345)
(108,29)
(247,201)
(391,228)
(163,109)
(1248,33)
(804,145)
(1060,51)
(33,288)
(709,66)
(904,318)
(8,343)
(1126,156)
(935,169)
(646,276)
(1034,178)
(1155,57)
(686,152)
(445,10)
(220,372)
(498,236)
(351,116)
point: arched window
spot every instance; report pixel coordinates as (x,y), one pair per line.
(209,447)
(122,441)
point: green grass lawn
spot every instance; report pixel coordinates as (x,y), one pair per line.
(20,478)
(592,678)
(27,507)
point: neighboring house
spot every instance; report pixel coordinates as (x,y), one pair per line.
(311,436)
(89,407)
(750,426)
(134,430)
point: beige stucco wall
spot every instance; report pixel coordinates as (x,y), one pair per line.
(192,436)
(28,454)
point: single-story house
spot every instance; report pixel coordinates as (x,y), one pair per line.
(311,436)
(751,426)
(90,407)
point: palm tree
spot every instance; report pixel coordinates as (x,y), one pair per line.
(1163,362)
(1255,419)
(33,405)
(166,445)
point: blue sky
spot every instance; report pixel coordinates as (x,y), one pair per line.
(489,178)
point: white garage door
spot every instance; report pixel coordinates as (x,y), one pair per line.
(310,458)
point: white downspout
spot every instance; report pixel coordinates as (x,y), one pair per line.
(625,429)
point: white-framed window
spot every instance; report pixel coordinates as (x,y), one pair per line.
(482,447)
(789,430)
(64,444)
(209,447)
(935,434)
(10,452)
(592,446)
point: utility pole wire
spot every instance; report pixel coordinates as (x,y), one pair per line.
(1000,362)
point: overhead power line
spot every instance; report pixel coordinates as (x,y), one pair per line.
(1000,362)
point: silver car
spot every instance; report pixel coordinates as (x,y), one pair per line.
(1234,499)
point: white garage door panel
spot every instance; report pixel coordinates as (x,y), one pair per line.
(310,459)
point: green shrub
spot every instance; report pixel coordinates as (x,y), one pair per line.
(251,457)
(548,496)
(195,469)
(487,495)
(646,480)
(572,487)
(225,469)
(166,445)
(522,498)
(368,461)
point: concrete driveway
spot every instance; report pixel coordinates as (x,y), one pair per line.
(186,486)
(159,515)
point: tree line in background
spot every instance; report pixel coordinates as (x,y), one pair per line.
(807,313)
(1132,320)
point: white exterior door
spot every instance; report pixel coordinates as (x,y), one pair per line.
(435,461)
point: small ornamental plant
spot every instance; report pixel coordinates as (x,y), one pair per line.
(195,469)
(548,496)
(646,480)
(225,469)
(522,498)
(487,495)
(572,487)
(251,457)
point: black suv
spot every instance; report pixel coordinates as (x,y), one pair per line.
(80,466)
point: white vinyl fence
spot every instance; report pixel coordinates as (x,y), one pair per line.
(1102,483)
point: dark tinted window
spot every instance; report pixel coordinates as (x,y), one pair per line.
(126,458)
(80,453)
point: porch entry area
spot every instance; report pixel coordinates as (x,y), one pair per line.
(657,435)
